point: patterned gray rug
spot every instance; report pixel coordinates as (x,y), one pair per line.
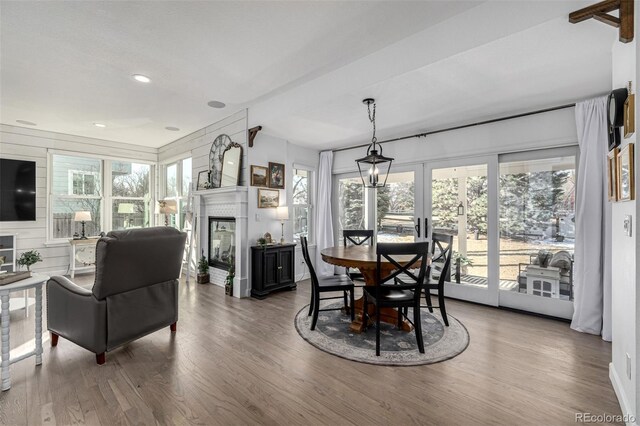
(332,335)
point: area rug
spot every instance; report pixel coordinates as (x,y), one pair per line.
(332,335)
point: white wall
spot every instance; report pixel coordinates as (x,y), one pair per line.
(20,143)
(625,299)
(267,148)
(546,130)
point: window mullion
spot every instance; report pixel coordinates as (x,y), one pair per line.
(107,204)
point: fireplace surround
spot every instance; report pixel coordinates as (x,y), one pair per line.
(218,208)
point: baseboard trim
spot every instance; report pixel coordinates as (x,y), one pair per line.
(622,397)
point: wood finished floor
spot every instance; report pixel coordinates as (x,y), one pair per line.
(236,362)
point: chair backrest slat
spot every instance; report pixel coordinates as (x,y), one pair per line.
(305,254)
(444,244)
(390,252)
(357,237)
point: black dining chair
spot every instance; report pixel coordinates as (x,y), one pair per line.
(356,237)
(438,273)
(320,285)
(402,295)
(440,263)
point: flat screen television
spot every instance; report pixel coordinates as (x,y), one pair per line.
(17,190)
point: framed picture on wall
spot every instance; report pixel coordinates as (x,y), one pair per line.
(276,175)
(626,175)
(630,114)
(203,180)
(268,198)
(259,176)
(612,173)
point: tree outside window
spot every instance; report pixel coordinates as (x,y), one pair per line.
(302,219)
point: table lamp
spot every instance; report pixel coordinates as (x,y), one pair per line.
(82,217)
(126,209)
(168,207)
(282,214)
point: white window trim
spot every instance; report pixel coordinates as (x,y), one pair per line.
(311,176)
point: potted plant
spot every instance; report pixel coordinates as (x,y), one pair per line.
(228,282)
(461,262)
(29,258)
(203,270)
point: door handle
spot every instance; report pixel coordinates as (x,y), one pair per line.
(417,226)
(426,227)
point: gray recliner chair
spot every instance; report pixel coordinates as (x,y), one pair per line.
(135,291)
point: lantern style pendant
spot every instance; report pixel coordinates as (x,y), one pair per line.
(374,167)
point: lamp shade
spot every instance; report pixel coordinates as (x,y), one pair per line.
(126,208)
(282,213)
(168,207)
(82,217)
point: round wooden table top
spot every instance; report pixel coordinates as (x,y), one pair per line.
(361,257)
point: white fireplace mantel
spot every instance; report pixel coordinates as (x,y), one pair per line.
(226,202)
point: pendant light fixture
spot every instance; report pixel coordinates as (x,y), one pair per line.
(374,167)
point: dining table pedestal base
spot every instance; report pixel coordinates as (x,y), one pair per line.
(388,315)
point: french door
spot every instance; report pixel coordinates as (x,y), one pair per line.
(457,202)
(502,210)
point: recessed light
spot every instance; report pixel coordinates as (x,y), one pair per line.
(172,129)
(142,78)
(26,123)
(100,125)
(216,104)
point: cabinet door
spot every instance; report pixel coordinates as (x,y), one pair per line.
(270,265)
(286,266)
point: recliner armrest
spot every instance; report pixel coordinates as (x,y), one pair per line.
(67,284)
(75,314)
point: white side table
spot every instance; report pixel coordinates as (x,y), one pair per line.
(83,252)
(543,282)
(36,281)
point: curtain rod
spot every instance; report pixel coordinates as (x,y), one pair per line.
(463,126)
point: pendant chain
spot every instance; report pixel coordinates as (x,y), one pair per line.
(372,119)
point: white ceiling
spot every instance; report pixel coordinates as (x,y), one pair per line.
(300,67)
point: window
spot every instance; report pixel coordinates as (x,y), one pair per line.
(117,195)
(352,205)
(459,207)
(537,219)
(395,209)
(302,216)
(131,201)
(177,179)
(75,186)
(171,187)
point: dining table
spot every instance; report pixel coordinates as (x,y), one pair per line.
(364,258)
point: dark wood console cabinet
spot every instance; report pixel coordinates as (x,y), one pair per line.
(272,268)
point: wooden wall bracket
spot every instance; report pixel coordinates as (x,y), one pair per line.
(252,134)
(600,12)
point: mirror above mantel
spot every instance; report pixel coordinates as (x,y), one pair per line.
(231,165)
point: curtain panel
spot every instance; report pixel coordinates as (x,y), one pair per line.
(592,259)
(324,219)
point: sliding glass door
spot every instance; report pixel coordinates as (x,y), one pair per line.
(457,201)
(511,216)
(537,230)
(394,211)
(398,207)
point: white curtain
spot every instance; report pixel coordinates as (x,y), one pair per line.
(324,221)
(592,260)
